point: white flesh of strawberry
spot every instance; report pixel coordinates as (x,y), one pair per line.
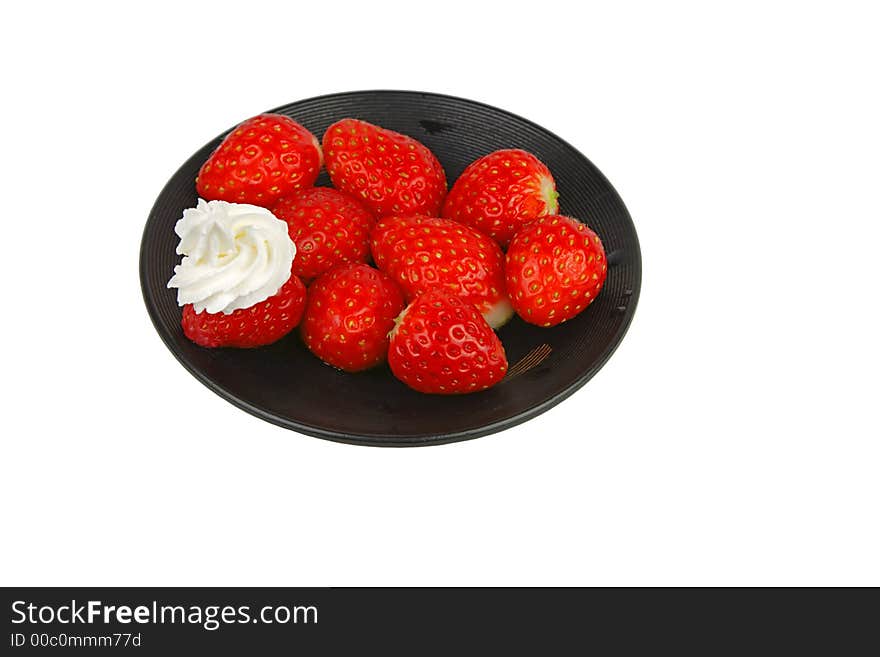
(549,194)
(397,321)
(499,313)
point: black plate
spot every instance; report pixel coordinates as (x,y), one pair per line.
(286,385)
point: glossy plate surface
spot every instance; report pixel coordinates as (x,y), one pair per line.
(286,385)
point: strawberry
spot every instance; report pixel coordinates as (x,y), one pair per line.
(421,253)
(442,345)
(349,313)
(328,228)
(500,193)
(392,173)
(256,326)
(261,160)
(555,268)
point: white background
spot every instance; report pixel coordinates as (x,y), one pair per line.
(732,439)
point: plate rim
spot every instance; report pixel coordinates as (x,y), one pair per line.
(389,440)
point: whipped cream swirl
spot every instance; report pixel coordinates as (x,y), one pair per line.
(235,255)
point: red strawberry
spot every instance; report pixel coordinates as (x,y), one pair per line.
(392,173)
(350,311)
(441,345)
(328,228)
(555,268)
(264,158)
(261,324)
(501,192)
(421,253)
